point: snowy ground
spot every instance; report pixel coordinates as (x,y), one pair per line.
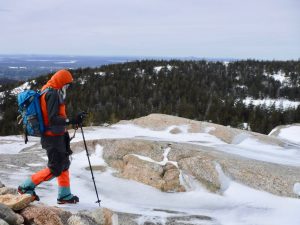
(239,204)
(289,133)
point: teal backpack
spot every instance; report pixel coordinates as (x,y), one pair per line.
(30,113)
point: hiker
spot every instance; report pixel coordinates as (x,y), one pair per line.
(55,140)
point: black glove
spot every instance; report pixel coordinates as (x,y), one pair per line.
(68,147)
(78,119)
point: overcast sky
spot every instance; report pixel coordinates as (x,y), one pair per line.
(262,29)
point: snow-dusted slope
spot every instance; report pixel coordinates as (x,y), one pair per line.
(238,204)
(290,133)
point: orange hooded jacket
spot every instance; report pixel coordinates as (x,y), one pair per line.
(57,81)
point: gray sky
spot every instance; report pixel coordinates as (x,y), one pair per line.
(262,29)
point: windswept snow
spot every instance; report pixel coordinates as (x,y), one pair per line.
(236,205)
(289,133)
(14,144)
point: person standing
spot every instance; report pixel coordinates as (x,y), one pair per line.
(55,140)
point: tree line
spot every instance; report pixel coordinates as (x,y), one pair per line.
(200,90)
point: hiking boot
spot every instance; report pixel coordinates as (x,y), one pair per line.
(72,200)
(34,196)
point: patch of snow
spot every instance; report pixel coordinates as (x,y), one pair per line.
(254,149)
(226,63)
(242,86)
(150,220)
(162,163)
(169,67)
(223,179)
(209,129)
(240,138)
(21,88)
(132,131)
(296,189)
(34,164)
(291,133)
(100,73)
(157,69)
(273,131)
(82,80)
(13,144)
(279,76)
(279,103)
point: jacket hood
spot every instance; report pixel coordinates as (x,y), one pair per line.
(59,79)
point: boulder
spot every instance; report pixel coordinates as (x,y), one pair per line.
(100,216)
(165,178)
(3,222)
(172,182)
(8,215)
(175,130)
(7,190)
(204,169)
(15,202)
(81,220)
(45,215)
(1,185)
(143,171)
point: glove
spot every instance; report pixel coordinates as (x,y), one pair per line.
(78,119)
(68,147)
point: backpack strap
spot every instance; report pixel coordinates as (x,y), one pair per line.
(45,90)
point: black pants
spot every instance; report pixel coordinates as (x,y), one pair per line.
(57,152)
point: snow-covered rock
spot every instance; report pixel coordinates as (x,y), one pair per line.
(160,122)
(164,178)
(222,169)
(289,133)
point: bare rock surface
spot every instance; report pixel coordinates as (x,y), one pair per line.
(274,178)
(198,161)
(97,217)
(15,202)
(9,216)
(8,190)
(143,171)
(45,215)
(162,177)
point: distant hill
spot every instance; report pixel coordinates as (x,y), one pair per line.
(23,67)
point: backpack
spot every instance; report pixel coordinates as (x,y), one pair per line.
(30,113)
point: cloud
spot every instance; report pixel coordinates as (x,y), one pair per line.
(4,10)
(235,28)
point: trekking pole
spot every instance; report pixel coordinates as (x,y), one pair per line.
(87,153)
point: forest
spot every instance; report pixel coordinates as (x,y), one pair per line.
(196,89)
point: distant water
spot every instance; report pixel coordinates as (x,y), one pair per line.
(22,67)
